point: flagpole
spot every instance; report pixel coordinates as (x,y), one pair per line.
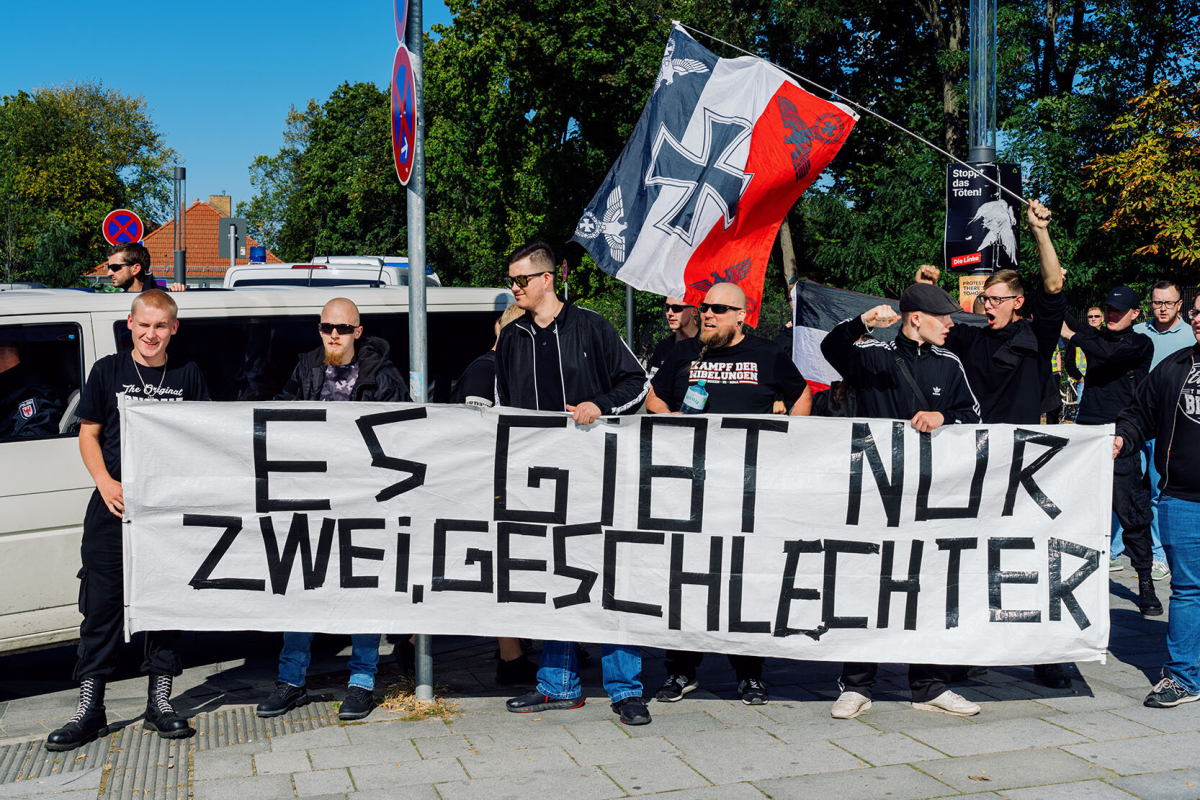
(865,110)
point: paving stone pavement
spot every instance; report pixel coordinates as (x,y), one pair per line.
(1093,742)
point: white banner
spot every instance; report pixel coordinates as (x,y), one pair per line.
(806,538)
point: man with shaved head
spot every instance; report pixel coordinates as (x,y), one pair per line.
(741,375)
(347,366)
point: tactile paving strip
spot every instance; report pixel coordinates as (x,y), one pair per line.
(142,764)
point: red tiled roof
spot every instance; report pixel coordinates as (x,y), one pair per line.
(201,245)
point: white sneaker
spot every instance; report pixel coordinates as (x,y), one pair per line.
(949,702)
(850,704)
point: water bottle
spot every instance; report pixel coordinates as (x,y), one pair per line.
(695,399)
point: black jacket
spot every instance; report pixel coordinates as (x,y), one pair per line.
(1152,414)
(378,378)
(1008,368)
(1117,362)
(596,364)
(28,406)
(881,390)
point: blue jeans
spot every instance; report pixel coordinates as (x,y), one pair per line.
(296,653)
(558,674)
(1181,536)
(1118,546)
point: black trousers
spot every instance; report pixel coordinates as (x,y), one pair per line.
(102,602)
(925,681)
(685,662)
(1131,503)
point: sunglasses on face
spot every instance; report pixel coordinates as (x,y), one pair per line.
(116,267)
(1191,314)
(675,308)
(717,308)
(523,280)
(329,327)
(1095,316)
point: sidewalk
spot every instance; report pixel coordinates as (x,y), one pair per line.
(1093,742)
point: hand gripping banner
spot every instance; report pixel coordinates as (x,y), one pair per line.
(804,538)
(722,151)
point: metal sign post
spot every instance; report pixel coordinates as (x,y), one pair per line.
(418,350)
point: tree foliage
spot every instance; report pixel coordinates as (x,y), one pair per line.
(1151,186)
(68,156)
(332,188)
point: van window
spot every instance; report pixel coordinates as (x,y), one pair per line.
(251,358)
(247,282)
(41,368)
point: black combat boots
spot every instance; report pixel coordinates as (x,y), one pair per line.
(1147,600)
(89,723)
(160,716)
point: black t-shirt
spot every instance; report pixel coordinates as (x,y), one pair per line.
(1183,471)
(117,374)
(546,367)
(662,351)
(477,386)
(742,379)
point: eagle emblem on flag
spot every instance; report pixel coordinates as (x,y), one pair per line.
(610,226)
(672,66)
(828,129)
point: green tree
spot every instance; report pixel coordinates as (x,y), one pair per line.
(1151,186)
(332,188)
(68,156)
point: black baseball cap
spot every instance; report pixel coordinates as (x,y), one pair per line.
(1123,298)
(929,299)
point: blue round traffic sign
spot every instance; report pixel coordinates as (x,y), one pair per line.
(404,103)
(122,226)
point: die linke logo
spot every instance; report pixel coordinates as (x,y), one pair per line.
(725,372)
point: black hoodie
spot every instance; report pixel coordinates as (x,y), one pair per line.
(378,378)
(1117,362)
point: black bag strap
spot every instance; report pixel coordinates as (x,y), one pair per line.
(912,382)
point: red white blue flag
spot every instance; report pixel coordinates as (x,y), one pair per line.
(723,150)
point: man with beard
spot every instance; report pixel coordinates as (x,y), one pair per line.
(742,375)
(681,319)
(142,374)
(916,379)
(1008,362)
(339,370)
(557,357)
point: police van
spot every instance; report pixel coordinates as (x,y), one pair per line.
(246,343)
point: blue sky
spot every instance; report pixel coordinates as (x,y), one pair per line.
(218,77)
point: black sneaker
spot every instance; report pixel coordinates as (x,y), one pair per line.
(632,711)
(675,687)
(282,700)
(1167,694)
(753,692)
(1052,676)
(518,672)
(357,704)
(536,701)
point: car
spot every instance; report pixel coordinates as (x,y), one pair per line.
(245,342)
(327,271)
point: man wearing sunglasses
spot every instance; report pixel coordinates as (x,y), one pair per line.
(129,268)
(912,378)
(1119,359)
(347,366)
(1167,408)
(742,375)
(681,320)
(557,357)
(1008,362)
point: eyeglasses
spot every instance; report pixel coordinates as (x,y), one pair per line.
(995,300)
(675,308)
(717,308)
(116,267)
(1191,314)
(523,280)
(329,327)
(1165,303)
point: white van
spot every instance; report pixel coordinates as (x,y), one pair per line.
(246,343)
(327,271)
